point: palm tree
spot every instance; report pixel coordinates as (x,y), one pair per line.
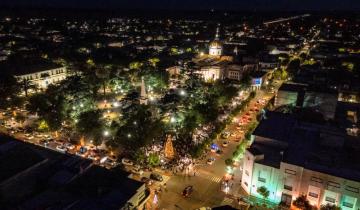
(28,85)
(103,74)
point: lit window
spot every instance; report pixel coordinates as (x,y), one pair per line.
(329,199)
(349,205)
(287,187)
(262,179)
(314,195)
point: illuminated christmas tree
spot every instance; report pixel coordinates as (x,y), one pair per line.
(169,149)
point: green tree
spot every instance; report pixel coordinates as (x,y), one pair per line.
(28,85)
(302,202)
(9,89)
(263,191)
(139,129)
(229,162)
(50,107)
(153,160)
(91,125)
(103,74)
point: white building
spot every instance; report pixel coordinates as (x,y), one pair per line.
(42,76)
(212,73)
(292,158)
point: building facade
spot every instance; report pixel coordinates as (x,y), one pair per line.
(42,79)
(292,158)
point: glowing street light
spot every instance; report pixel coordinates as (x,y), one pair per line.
(106,133)
(116,104)
(172,119)
(182,92)
(129,135)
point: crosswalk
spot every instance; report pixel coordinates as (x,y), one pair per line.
(208,176)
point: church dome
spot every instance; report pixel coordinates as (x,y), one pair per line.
(216,44)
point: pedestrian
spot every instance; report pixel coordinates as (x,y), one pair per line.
(194,173)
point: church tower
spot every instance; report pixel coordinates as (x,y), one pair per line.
(216,47)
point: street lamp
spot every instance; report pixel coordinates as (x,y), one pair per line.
(182,92)
(129,135)
(106,133)
(172,119)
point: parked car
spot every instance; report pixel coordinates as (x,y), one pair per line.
(187,191)
(44,142)
(61,148)
(69,146)
(137,171)
(156,177)
(225,135)
(210,161)
(126,162)
(225,144)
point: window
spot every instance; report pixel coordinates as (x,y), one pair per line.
(262,179)
(246,183)
(246,172)
(314,195)
(287,187)
(352,189)
(333,184)
(349,205)
(289,171)
(315,179)
(329,199)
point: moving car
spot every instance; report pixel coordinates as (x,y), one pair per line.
(187,191)
(156,177)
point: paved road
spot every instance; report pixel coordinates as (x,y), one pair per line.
(207,182)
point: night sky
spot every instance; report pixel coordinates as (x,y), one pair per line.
(193,4)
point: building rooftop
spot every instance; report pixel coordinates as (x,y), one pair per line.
(37,178)
(316,147)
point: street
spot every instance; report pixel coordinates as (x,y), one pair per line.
(208,178)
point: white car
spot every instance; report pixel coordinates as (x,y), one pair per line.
(137,171)
(210,161)
(61,148)
(69,146)
(127,162)
(225,144)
